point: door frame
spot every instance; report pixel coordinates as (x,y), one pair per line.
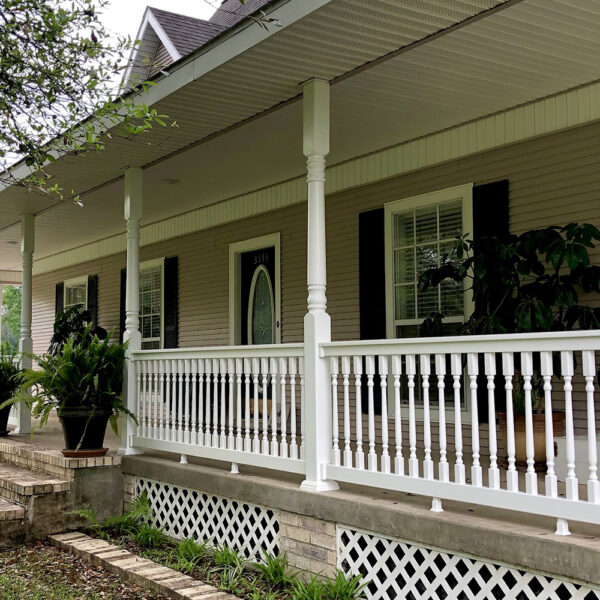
(236,322)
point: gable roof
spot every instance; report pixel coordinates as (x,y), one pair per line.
(186,33)
(231,12)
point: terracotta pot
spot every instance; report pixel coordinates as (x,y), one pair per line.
(539,436)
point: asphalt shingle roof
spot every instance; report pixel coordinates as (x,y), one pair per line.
(231,11)
(187,33)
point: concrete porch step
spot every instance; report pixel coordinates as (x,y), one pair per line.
(19,485)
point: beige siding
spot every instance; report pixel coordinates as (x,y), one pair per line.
(553,180)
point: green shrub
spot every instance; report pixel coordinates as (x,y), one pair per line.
(148,536)
(313,589)
(275,571)
(344,587)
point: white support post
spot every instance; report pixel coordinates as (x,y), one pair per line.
(133,216)
(317,323)
(25,339)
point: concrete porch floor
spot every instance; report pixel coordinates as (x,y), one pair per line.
(51,435)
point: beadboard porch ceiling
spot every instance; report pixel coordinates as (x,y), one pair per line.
(398,71)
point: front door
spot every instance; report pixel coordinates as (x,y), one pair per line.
(258,318)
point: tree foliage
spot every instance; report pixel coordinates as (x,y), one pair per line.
(11,315)
(59,70)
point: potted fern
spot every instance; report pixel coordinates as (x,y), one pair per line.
(10,382)
(524,283)
(81,377)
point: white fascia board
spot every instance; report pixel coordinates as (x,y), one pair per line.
(162,36)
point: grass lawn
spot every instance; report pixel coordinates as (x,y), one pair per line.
(42,572)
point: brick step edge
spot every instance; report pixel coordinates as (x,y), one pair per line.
(138,570)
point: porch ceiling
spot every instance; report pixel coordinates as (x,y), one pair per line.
(530,49)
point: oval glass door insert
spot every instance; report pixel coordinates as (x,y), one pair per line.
(261,308)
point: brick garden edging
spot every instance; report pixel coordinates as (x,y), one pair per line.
(134,568)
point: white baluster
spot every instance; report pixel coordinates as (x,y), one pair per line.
(425,364)
(385,445)
(473,370)
(360,456)
(440,371)
(490,372)
(508,368)
(411,371)
(571,483)
(274,442)
(456,370)
(256,393)
(334,369)
(207,418)
(180,409)
(397,372)
(346,384)
(247,382)
(551,483)
(194,417)
(187,383)
(264,367)
(530,475)
(283,448)
(154,409)
(370,371)
(201,379)
(231,381)
(223,416)
(162,383)
(589,372)
(302,412)
(293,409)
(215,399)
(142,410)
(239,373)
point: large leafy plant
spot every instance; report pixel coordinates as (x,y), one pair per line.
(11,374)
(86,373)
(76,323)
(522,283)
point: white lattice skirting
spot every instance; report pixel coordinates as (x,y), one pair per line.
(397,569)
(186,513)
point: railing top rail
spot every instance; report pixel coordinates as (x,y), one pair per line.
(258,351)
(517,342)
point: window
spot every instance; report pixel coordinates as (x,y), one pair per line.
(151,304)
(419,232)
(75,292)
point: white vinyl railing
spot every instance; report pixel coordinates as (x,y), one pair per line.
(445,417)
(242,404)
(454,375)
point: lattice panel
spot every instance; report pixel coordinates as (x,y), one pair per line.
(396,570)
(187,513)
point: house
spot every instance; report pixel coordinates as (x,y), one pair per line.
(260,259)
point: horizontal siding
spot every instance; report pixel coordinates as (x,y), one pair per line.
(553,180)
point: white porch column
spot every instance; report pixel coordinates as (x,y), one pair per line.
(317,323)
(25,340)
(133,216)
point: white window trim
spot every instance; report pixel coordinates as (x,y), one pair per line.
(465,192)
(235,251)
(76,281)
(150,264)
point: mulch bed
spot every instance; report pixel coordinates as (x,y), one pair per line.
(42,572)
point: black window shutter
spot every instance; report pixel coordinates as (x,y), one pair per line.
(171,302)
(59,301)
(92,298)
(122,304)
(490,209)
(490,218)
(371,288)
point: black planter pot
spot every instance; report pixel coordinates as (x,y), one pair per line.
(4,413)
(82,432)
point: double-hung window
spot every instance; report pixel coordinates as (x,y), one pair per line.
(419,232)
(75,293)
(151,304)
